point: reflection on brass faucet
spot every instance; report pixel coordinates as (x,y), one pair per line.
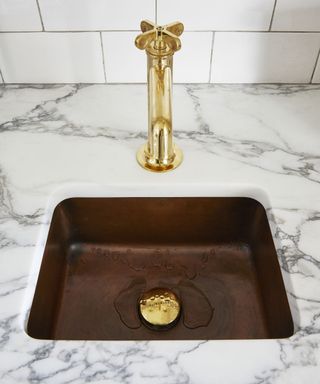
(159,154)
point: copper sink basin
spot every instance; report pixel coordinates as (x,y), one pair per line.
(215,253)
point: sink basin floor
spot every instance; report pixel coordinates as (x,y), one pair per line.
(95,275)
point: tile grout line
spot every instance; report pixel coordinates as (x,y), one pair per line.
(46,31)
(39,10)
(2,78)
(315,67)
(211,56)
(103,62)
(187,31)
(156,11)
(272,16)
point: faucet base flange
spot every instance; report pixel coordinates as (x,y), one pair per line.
(154,166)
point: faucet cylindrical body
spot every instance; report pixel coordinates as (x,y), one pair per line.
(160,143)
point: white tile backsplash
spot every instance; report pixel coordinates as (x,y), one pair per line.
(264,57)
(93,40)
(51,57)
(297,15)
(126,63)
(70,15)
(19,15)
(217,14)
(192,63)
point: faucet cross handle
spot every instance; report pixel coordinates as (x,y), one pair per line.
(161,37)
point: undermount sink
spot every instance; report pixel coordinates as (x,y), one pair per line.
(215,253)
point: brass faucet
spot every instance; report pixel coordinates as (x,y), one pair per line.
(159,154)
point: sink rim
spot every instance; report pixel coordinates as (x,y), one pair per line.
(140,190)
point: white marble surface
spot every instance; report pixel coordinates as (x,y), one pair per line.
(259,141)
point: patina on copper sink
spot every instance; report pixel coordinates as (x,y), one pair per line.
(216,253)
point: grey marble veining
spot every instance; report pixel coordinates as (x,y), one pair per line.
(69,137)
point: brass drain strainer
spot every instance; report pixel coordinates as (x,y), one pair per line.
(159,308)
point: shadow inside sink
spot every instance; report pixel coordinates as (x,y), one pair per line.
(216,253)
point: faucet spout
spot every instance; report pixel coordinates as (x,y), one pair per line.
(160,43)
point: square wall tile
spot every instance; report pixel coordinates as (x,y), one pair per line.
(19,15)
(297,15)
(244,57)
(316,76)
(76,15)
(217,14)
(125,63)
(51,57)
(192,63)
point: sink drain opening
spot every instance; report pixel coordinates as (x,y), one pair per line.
(159,308)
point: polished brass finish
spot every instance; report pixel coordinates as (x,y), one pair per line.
(160,44)
(215,253)
(159,308)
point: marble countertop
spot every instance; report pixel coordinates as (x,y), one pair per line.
(80,140)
